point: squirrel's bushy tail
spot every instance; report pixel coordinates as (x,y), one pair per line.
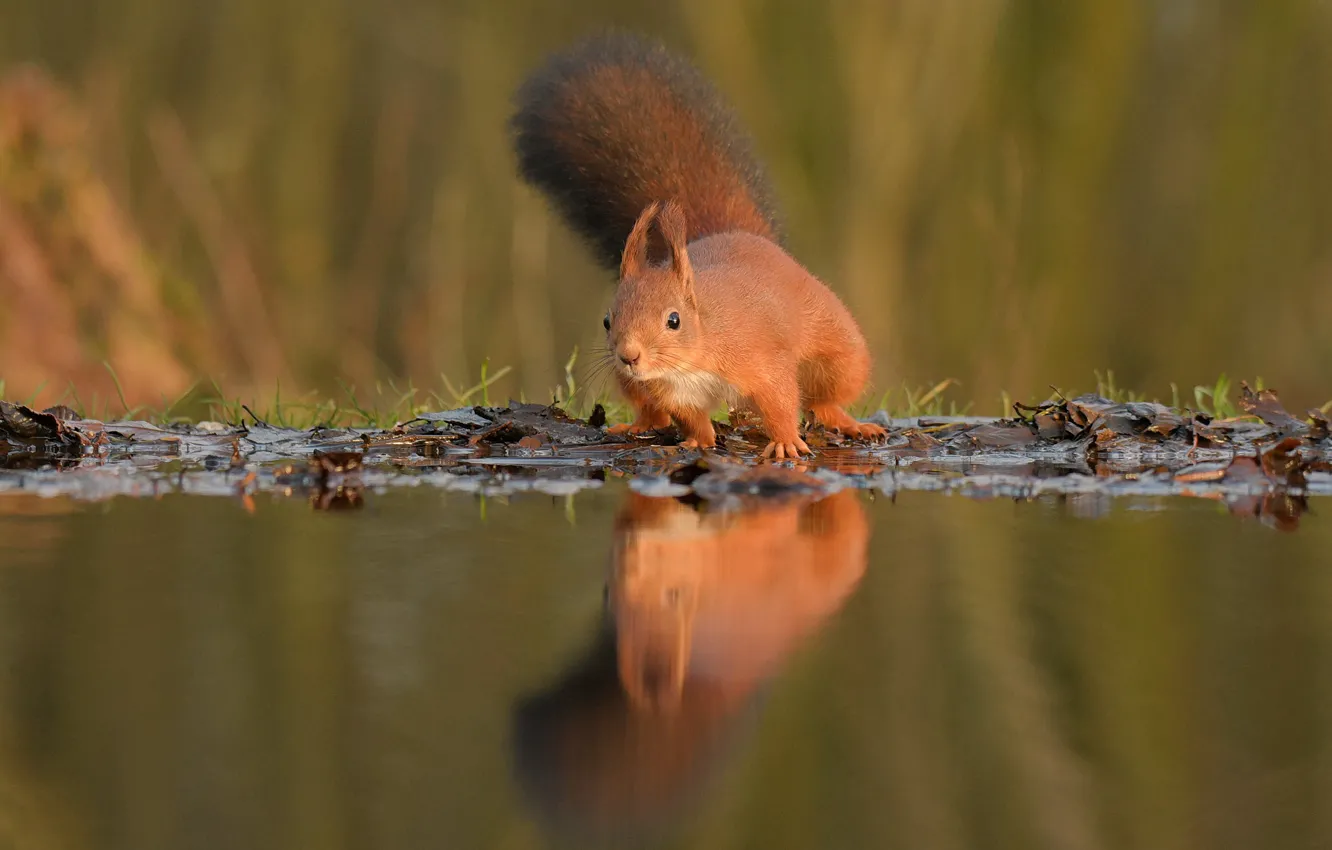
(616,122)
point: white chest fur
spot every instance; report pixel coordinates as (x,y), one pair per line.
(687,388)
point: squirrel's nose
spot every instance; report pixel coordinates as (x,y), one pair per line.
(630,356)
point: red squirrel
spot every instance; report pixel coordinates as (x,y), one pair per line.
(644,159)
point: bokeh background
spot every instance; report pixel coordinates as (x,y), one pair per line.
(299,193)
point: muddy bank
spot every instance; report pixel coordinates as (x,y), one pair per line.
(1087,449)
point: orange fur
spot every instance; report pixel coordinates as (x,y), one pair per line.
(719,601)
(704,609)
(755,328)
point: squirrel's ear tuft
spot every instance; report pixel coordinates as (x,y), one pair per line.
(671,223)
(635,259)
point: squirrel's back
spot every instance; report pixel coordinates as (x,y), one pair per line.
(615,123)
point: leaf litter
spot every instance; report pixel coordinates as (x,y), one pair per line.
(1087,449)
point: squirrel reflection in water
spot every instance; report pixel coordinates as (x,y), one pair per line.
(702,609)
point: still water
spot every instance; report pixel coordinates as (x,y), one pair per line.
(432,670)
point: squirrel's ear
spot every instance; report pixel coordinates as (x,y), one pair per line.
(671,223)
(635,247)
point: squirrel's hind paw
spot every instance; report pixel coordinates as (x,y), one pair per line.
(839,420)
(866,431)
(630,429)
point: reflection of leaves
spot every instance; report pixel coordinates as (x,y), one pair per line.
(1270,476)
(1280,466)
(1282,463)
(718,478)
(329,463)
(332,479)
(1279,510)
(337,499)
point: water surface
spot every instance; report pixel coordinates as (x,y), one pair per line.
(437,670)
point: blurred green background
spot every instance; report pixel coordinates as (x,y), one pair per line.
(1011,194)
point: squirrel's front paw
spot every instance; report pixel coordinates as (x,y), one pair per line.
(784,450)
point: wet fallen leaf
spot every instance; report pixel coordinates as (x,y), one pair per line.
(818,437)
(1128,418)
(1265,405)
(1051,424)
(998,435)
(1318,425)
(1165,421)
(921,441)
(20,422)
(505,431)
(63,411)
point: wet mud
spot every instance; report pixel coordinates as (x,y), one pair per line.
(1087,450)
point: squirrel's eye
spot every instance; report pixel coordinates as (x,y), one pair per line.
(605,323)
(673,321)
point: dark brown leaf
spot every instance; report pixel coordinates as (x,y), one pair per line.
(1265,405)
(1051,424)
(920,441)
(24,423)
(63,411)
(1318,426)
(1084,411)
(1000,435)
(504,431)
